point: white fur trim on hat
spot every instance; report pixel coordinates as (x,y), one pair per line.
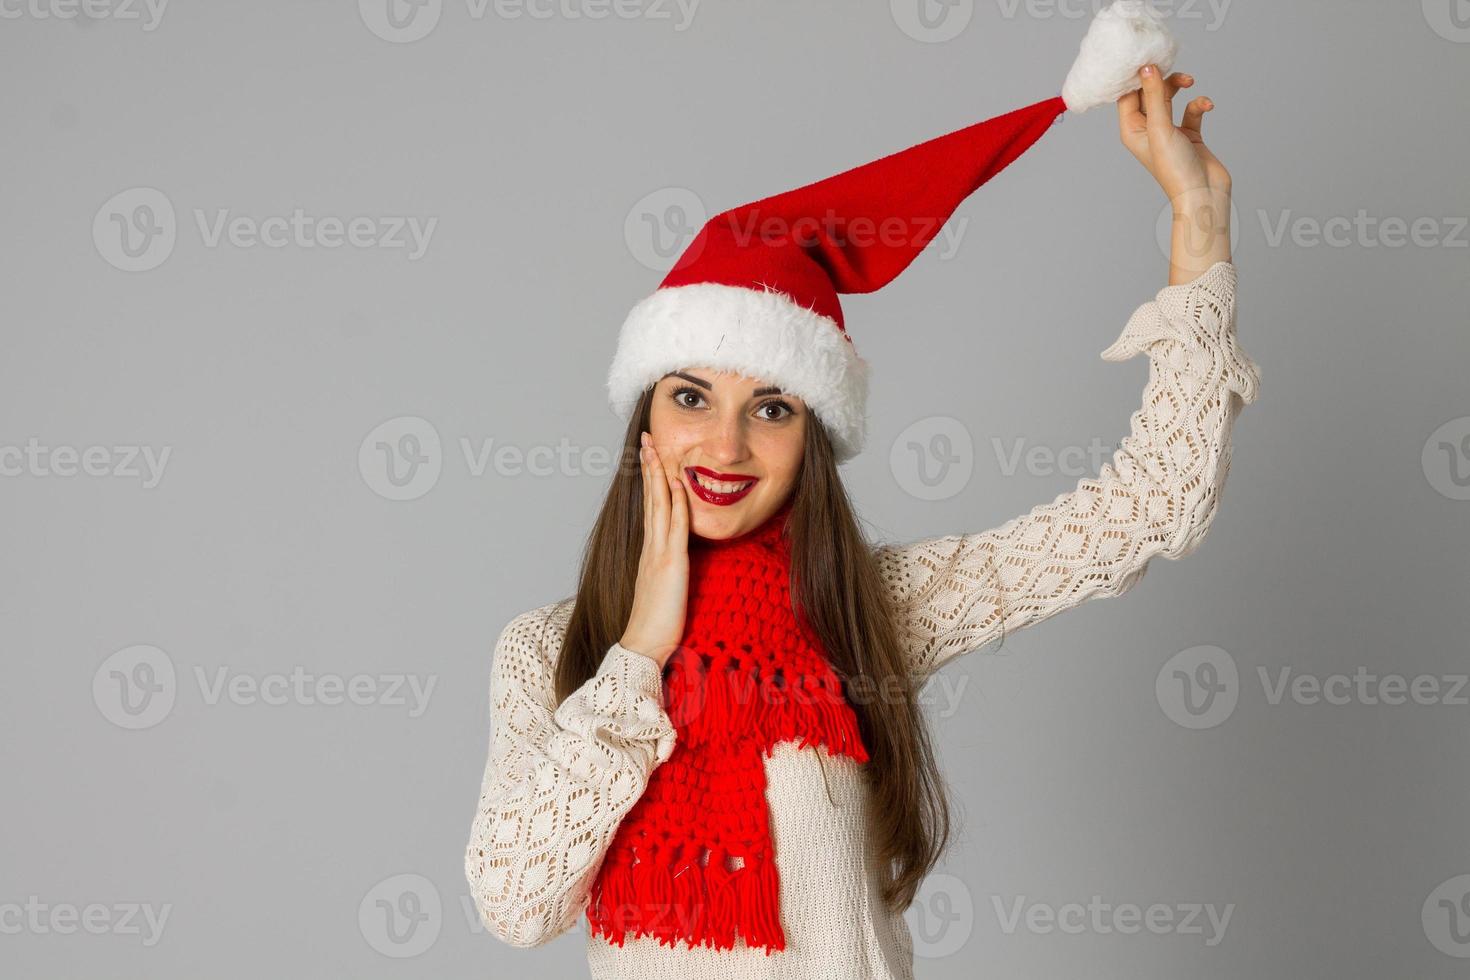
(758,333)
(1122,39)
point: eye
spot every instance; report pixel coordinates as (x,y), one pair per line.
(678,395)
(777,403)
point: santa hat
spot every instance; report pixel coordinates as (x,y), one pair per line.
(756,291)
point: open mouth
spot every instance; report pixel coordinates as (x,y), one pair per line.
(718,488)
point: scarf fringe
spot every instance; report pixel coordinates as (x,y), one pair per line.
(698,904)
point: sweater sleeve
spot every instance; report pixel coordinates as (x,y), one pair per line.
(559,780)
(1158,495)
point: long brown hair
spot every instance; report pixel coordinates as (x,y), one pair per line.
(835,581)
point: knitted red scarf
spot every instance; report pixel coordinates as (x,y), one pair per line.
(747,675)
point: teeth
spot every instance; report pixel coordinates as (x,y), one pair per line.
(721,486)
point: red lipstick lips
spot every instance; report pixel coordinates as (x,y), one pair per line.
(714,496)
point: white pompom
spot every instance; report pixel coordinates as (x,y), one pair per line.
(1122,39)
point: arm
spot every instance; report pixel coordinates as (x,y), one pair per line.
(558,781)
(1158,496)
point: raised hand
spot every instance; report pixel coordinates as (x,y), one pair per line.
(661,594)
(1192,177)
(1176,156)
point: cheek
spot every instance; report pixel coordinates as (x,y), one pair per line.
(675,439)
(667,427)
(783,459)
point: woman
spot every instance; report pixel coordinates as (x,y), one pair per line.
(732,690)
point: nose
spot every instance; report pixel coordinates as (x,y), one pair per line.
(728,443)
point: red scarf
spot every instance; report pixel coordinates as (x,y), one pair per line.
(747,675)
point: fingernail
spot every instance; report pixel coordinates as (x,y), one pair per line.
(1148,69)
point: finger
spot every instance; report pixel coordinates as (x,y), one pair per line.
(1130,114)
(679,517)
(1156,106)
(1194,114)
(674,474)
(659,489)
(643,469)
(1130,106)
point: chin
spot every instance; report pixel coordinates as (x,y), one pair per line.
(714,527)
(718,523)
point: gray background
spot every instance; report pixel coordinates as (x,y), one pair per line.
(536,142)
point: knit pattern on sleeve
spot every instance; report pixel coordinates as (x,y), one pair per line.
(558,779)
(1158,496)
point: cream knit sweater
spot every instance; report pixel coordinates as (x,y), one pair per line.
(559,779)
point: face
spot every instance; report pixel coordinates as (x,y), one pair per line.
(734,442)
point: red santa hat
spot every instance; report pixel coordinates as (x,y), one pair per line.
(756,291)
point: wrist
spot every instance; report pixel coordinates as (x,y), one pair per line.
(1201,202)
(635,645)
(1200,238)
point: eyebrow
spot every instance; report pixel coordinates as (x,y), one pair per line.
(771,390)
